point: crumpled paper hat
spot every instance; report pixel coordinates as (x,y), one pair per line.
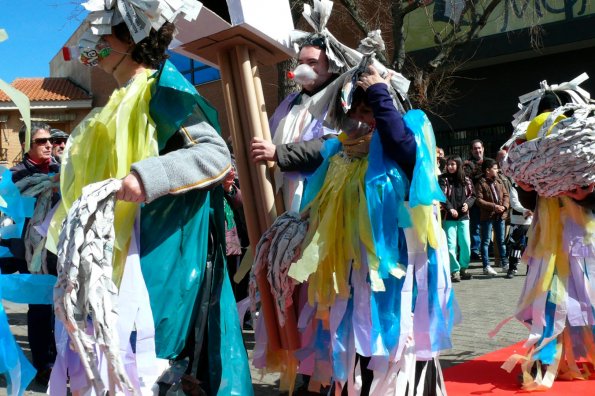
(560,155)
(139,15)
(342,58)
(529,104)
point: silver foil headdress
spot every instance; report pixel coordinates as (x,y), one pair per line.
(139,15)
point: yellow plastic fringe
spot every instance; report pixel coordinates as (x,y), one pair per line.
(546,244)
(339,213)
(104,146)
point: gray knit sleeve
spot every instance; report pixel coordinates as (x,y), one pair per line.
(201,161)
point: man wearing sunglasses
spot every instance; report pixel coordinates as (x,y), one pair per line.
(39,317)
(39,157)
(58,140)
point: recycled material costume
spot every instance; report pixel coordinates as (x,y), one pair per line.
(173,296)
(556,303)
(293,120)
(374,268)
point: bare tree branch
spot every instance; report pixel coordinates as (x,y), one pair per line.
(455,42)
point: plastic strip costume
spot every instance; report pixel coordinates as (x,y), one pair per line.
(373,271)
(85,287)
(169,290)
(299,117)
(556,303)
(179,286)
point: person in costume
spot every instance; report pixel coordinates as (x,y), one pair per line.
(460,197)
(291,122)
(161,138)
(556,301)
(360,252)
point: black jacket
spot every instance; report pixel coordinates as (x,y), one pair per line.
(20,171)
(456,194)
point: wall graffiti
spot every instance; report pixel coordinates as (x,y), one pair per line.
(521,8)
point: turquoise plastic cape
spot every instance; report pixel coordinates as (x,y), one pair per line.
(386,189)
(424,184)
(22,289)
(174,99)
(315,181)
(174,237)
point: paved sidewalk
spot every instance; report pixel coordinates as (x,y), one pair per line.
(484,303)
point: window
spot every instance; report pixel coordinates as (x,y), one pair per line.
(194,71)
(459,142)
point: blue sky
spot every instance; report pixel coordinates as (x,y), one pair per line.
(37,30)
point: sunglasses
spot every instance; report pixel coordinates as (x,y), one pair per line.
(58,140)
(41,141)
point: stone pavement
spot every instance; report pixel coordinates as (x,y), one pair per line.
(484,303)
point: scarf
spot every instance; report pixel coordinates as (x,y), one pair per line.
(43,165)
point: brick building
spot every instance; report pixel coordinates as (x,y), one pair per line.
(57,101)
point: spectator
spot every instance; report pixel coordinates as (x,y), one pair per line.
(40,327)
(236,235)
(493,201)
(520,220)
(58,140)
(460,197)
(473,171)
(440,160)
(508,184)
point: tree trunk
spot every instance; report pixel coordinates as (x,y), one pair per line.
(285,85)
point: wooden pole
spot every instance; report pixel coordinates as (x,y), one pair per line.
(256,127)
(246,133)
(266,132)
(290,328)
(255,228)
(240,151)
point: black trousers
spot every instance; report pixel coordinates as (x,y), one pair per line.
(40,317)
(430,379)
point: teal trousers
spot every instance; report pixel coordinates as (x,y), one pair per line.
(457,235)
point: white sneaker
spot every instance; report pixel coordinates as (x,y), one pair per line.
(489,271)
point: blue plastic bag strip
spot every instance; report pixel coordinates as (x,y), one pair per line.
(26,289)
(424,185)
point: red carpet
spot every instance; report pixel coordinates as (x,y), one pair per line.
(483,376)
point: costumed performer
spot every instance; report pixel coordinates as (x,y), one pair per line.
(556,302)
(160,137)
(366,319)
